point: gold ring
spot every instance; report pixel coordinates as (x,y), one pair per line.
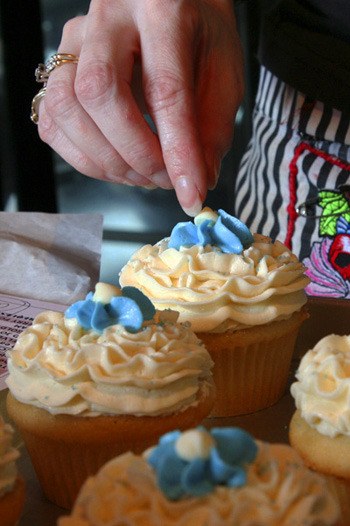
(42,74)
(34,115)
(43,71)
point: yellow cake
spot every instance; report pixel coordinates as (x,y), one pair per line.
(320,427)
(243,295)
(218,478)
(107,375)
(12,487)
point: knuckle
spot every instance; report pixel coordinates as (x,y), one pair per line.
(59,99)
(110,162)
(93,82)
(142,157)
(83,162)
(165,90)
(183,11)
(46,128)
(177,156)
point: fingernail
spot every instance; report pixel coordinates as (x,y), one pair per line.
(162,179)
(188,196)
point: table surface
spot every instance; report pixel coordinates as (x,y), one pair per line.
(326,316)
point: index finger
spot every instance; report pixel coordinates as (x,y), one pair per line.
(168,77)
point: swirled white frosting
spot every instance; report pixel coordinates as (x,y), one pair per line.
(280,491)
(8,456)
(58,366)
(322,389)
(216,291)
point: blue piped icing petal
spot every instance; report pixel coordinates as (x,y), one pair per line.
(205,232)
(196,478)
(169,437)
(128,313)
(71,311)
(82,311)
(101,318)
(245,449)
(165,449)
(182,235)
(146,306)
(226,240)
(238,479)
(223,472)
(237,227)
(169,469)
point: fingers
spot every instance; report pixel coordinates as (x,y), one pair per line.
(83,163)
(75,135)
(103,88)
(167,63)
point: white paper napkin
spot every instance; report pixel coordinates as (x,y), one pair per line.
(50,257)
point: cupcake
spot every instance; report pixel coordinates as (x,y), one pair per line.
(218,478)
(320,427)
(12,487)
(107,375)
(243,295)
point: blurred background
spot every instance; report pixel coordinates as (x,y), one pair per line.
(33,178)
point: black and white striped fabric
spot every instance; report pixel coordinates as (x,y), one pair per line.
(299,153)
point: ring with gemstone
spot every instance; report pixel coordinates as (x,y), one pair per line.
(42,74)
(43,71)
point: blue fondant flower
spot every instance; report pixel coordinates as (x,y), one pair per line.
(130,309)
(226,233)
(190,468)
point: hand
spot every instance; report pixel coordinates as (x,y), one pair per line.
(180,61)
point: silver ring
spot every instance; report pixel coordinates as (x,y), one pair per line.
(34,115)
(43,71)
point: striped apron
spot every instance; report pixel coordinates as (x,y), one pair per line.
(293,183)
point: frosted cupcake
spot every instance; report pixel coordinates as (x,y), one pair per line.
(108,375)
(218,478)
(243,295)
(320,427)
(12,487)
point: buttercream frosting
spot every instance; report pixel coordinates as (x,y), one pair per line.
(322,389)
(279,491)
(63,368)
(215,290)
(8,457)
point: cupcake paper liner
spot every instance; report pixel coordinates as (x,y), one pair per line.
(251,366)
(65,449)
